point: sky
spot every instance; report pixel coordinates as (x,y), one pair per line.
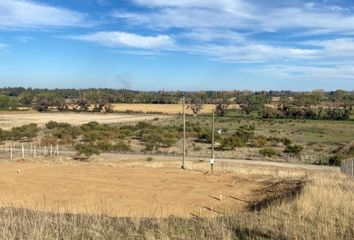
(178,44)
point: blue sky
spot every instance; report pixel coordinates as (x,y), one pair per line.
(178,44)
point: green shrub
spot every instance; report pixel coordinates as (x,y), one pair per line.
(25,133)
(86,150)
(268,152)
(293,149)
(121,146)
(230,143)
(335,160)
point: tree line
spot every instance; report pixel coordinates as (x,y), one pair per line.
(326,104)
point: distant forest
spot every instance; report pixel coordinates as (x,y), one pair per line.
(249,101)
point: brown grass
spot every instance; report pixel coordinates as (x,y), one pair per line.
(16,119)
(323,209)
(123,191)
(161,108)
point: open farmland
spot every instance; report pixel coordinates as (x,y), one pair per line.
(123,191)
(16,119)
(162,108)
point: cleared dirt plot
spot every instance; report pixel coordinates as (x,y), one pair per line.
(123,191)
(16,119)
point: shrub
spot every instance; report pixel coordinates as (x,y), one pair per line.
(286,141)
(26,132)
(86,150)
(121,146)
(230,143)
(293,149)
(268,152)
(155,139)
(335,160)
(260,141)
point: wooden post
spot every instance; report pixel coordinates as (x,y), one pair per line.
(31,149)
(35,151)
(23,152)
(184,133)
(57,150)
(212,143)
(44,150)
(11,154)
(51,150)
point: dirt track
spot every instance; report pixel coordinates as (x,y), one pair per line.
(122,191)
(9,120)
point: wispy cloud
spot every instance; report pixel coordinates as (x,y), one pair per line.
(3,46)
(124,39)
(240,14)
(21,14)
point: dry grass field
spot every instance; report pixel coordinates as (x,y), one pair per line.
(161,108)
(16,119)
(259,202)
(123,191)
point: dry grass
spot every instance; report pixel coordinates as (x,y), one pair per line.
(323,208)
(16,119)
(161,108)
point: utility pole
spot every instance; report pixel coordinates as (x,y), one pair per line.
(184,132)
(212,143)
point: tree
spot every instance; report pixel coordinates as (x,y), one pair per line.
(253,103)
(196,105)
(221,106)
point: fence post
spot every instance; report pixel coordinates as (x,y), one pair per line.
(35,151)
(23,152)
(11,154)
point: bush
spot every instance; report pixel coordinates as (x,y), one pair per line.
(86,150)
(25,133)
(335,160)
(121,146)
(230,143)
(154,140)
(260,141)
(293,149)
(268,152)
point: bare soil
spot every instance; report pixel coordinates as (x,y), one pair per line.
(16,119)
(124,190)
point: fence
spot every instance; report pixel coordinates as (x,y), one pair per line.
(347,167)
(22,151)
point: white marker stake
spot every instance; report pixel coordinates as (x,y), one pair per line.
(212,165)
(23,152)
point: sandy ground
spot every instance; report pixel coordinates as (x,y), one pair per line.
(123,190)
(162,108)
(9,120)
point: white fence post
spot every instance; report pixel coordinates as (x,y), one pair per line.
(23,152)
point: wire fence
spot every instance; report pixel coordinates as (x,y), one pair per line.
(29,150)
(347,167)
